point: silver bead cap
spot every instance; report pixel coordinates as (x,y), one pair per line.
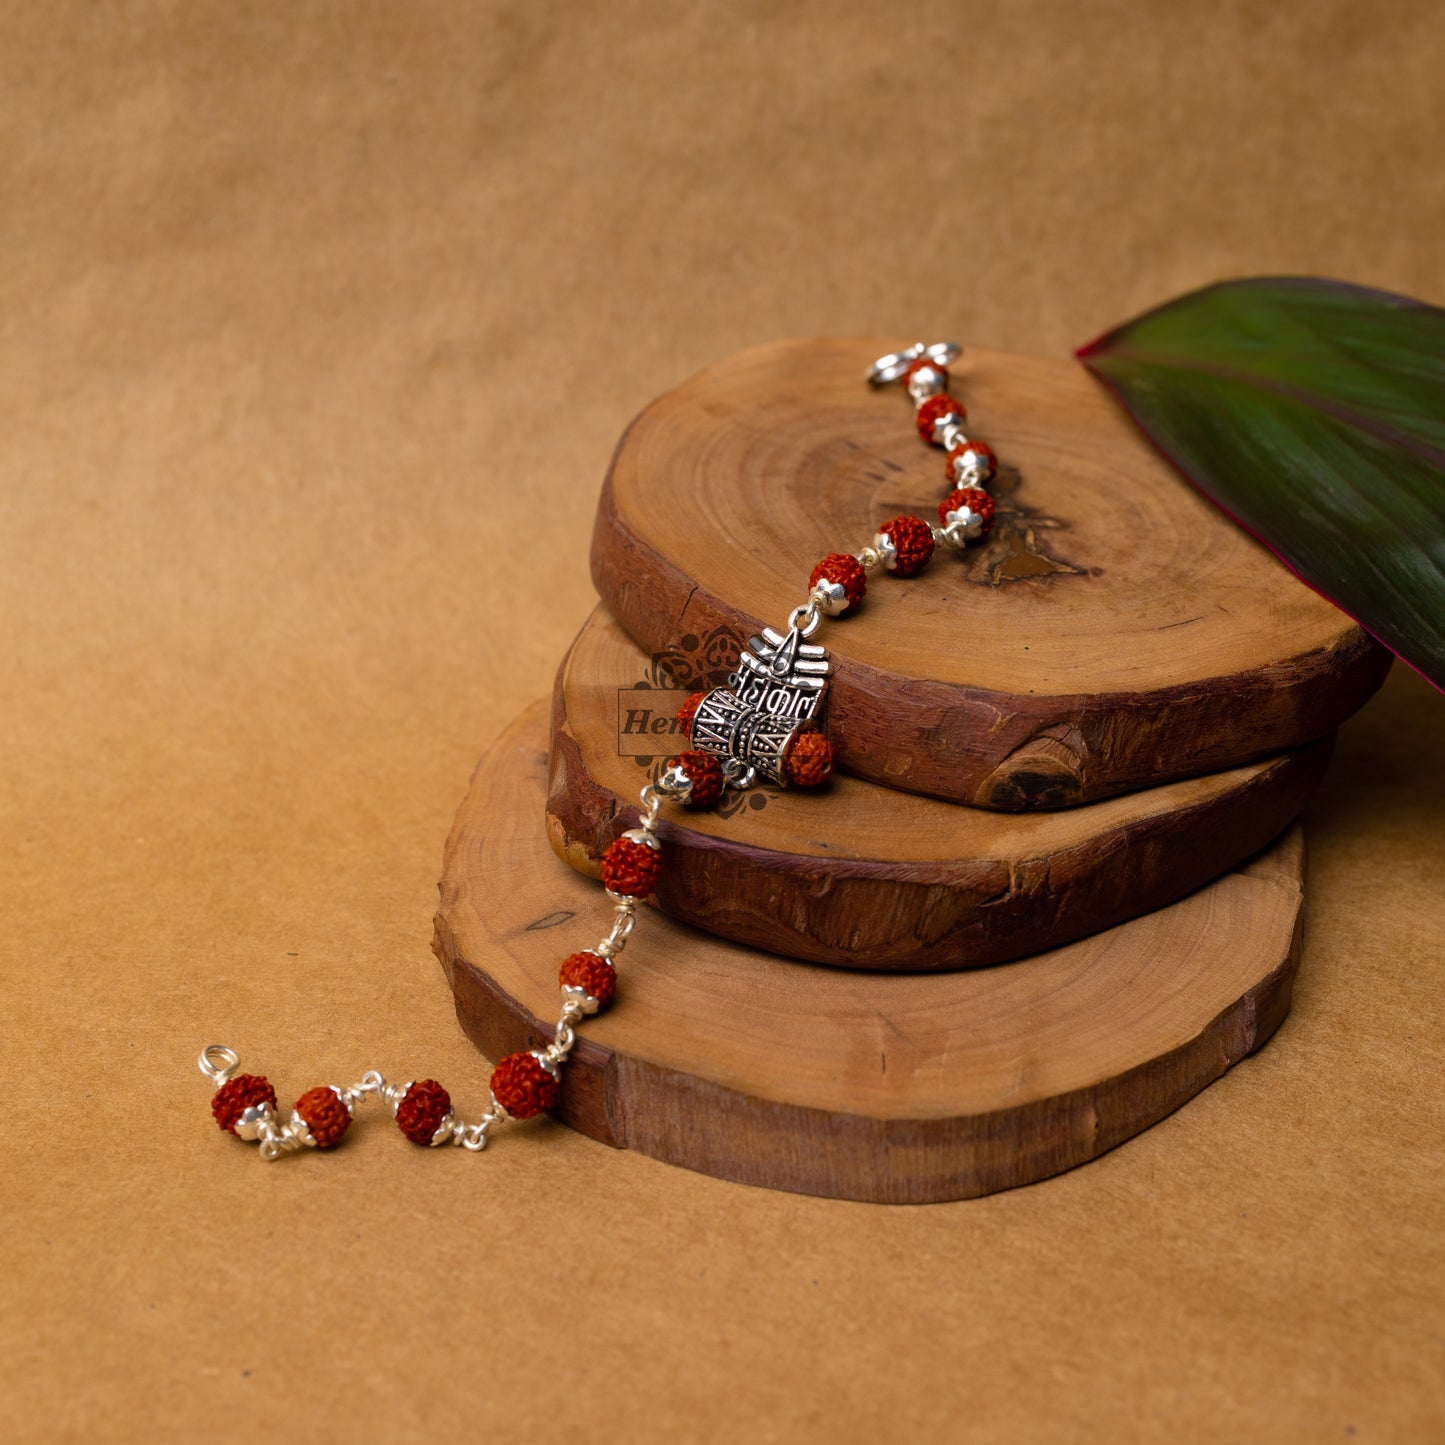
(831,597)
(253,1121)
(970,468)
(949,425)
(571,993)
(964,522)
(675,783)
(925,382)
(300,1130)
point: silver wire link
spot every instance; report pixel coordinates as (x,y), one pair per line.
(277,1139)
(473,1137)
(623,923)
(353,1094)
(651,801)
(562,1043)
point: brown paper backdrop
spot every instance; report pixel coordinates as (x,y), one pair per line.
(318,323)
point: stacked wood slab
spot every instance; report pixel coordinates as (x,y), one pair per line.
(1073,755)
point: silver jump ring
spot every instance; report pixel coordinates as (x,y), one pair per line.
(738,774)
(807,613)
(891,367)
(218,1063)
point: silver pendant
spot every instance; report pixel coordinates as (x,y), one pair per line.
(776,692)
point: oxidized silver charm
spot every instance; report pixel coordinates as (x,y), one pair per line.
(783,676)
(776,692)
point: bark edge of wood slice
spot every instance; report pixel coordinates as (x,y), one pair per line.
(860,876)
(1116,631)
(888,1088)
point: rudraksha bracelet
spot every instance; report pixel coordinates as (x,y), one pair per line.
(763,725)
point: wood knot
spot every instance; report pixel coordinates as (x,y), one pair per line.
(1045,772)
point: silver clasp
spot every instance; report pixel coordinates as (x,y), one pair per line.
(218,1063)
(891,367)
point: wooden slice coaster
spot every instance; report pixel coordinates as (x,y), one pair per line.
(886,1087)
(1114,632)
(864,877)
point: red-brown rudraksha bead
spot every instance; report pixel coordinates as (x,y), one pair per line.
(688,711)
(932,411)
(706,776)
(631,868)
(912,539)
(422,1109)
(809,760)
(975,499)
(523,1085)
(324,1115)
(847,571)
(235,1096)
(981,449)
(592,973)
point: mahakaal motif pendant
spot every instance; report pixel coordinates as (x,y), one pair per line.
(775,694)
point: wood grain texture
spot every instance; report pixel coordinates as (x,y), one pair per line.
(884,1087)
(866,877)
(1115,632)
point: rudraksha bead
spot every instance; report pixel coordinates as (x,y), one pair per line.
(523,1085)
(706,776)
(235,1096)
(592,973)
(912,540)
(847,571)
(422,1109)
(933,411)
(971,463)
(688,711)
(324,1115)
(976,500)
(631,868)
(809,760)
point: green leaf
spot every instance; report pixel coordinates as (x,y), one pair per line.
(1314,414)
